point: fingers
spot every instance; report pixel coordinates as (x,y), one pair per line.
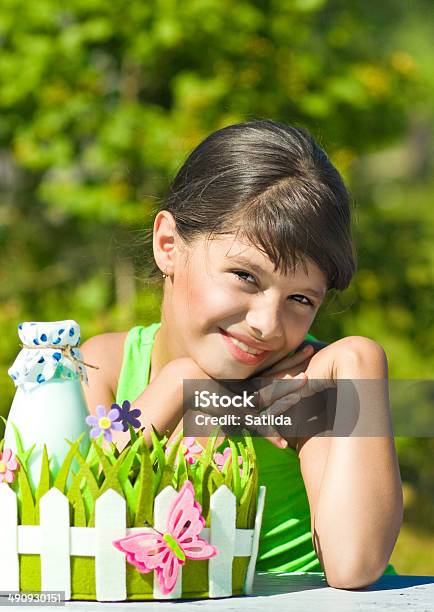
(265,431)
(300,356)
(282,388)
(286,367)
(288,388)
(277,441)
(282,405)
(289,362)
(270,434)
(311,387)
(253,420)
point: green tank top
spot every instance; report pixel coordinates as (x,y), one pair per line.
(286,539)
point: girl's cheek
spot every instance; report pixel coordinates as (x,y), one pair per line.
(208,300)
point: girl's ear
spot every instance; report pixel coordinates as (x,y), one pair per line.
(164,241)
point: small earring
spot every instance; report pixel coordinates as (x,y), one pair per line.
(165,275)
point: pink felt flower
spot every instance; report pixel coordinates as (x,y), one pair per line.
(189,448)
(8,465)
(221,458)
(192,448)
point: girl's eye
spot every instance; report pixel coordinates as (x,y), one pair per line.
(307,303)
(239,274)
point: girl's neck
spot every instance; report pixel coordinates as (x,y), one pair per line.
(163,350)
(158,360)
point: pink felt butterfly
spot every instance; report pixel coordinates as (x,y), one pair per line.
(165,552)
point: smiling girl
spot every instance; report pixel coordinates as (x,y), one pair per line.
(254,232)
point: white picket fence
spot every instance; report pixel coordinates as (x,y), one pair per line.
(56,541)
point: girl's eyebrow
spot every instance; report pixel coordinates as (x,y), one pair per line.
(259,270)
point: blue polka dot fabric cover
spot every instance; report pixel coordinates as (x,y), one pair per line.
(48,348)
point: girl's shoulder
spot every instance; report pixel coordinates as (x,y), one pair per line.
(106,352)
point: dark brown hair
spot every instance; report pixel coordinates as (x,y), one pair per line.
(272,184)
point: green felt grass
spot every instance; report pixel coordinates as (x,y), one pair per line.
(138,474)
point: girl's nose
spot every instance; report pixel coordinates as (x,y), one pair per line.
(266,324)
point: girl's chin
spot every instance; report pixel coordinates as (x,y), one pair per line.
(225,371)
(233,372)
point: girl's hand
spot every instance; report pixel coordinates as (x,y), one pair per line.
(300,358)
(309,417)
(319,370)
(323,370)
(187,368)
(272,394)
(290,389)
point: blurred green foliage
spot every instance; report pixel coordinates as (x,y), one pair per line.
(101,101)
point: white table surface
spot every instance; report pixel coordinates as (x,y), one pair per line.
(296,592)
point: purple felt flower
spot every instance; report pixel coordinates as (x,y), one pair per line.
(127,416)
(104,423)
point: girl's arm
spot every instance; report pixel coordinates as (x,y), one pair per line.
(353,483)
(161,403)
(105,352)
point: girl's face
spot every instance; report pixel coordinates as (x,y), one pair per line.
(229,287)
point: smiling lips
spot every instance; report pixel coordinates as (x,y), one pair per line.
(256,346)
(241,351)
